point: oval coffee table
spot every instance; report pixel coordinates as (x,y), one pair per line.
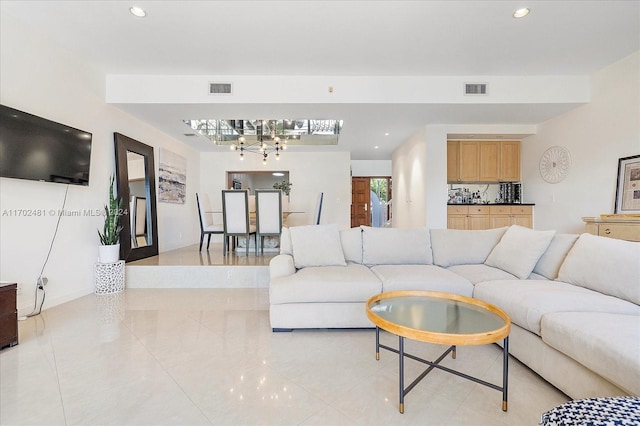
(440,318)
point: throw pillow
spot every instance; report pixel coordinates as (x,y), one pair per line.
(394,246)
(519,250)
(550,262)
(352,244)
(316,245)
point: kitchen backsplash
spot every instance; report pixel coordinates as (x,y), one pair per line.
(487,192)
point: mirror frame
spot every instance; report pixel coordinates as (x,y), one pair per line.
(123,144)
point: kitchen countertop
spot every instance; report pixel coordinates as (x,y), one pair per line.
(491,204)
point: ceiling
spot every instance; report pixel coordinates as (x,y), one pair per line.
(341,38)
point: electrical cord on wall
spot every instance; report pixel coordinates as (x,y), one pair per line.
(42,281)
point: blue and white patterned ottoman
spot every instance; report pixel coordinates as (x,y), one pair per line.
(614,411)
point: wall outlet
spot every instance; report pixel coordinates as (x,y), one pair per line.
(42,281)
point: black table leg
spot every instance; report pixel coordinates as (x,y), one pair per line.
(377,343)
(505,372)
(401,373)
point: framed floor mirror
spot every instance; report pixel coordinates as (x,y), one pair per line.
(136,184)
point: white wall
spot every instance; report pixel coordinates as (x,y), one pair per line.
(309,173)
(38,77)
(409,182)
(597,135)
(368,168)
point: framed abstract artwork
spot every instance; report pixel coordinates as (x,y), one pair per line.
(172,177)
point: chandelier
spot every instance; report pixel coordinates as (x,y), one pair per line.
(263,146)
(267,137)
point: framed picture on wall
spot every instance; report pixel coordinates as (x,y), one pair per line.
(172,177)
(628,187)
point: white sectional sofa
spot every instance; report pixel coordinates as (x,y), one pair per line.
(573,299)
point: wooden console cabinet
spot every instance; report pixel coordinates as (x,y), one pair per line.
(622,228)
(8,315)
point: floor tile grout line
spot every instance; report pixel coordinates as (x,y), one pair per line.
(55,363)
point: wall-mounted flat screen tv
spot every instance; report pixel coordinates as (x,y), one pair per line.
(35,148)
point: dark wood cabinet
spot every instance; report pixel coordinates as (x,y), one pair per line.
(8,315)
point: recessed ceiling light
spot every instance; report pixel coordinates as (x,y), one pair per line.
(137,11)
(521,13)
(386,134)
(376,147)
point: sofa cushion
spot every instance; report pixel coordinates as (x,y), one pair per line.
(395,246)
(458,247)
(285,242)
(526,301)
(316,245)
(351,283)
(603,264)
(551,260)
(479,273)
(519,250)
(421,277)
(352,244)
(587,337)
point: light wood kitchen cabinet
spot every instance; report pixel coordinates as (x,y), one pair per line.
(469,169)
(511,215)
(510,161)
(489,158)
(457,217)
(621,227)
(468,217)
(488,217)
(484,161)
(453,161)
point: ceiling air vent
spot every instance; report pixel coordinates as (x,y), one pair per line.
(475,88)
(220,88)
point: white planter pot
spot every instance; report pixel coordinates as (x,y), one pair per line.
(109,254)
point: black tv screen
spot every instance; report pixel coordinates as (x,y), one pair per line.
(35,148)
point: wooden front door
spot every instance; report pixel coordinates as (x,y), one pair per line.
(360,200)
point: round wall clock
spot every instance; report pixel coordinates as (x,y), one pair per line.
(555,164)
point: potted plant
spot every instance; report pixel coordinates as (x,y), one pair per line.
(109,250)
(283,186)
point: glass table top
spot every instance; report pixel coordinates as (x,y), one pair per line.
(436,313)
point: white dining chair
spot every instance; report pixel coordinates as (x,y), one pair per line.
(268,214)
(235,218)
(207,224)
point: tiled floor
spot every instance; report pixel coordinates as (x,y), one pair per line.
(208,356)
